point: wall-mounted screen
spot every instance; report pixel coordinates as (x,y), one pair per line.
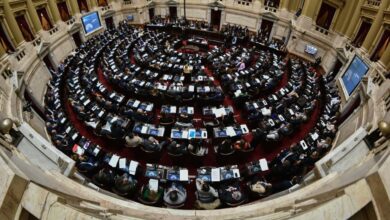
(310,49)
(354,74)
(91,22)
(130,17)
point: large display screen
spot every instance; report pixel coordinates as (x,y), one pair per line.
(354,74)
(91,22)
(310,49)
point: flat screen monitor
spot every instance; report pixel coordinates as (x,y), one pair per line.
(91,22)
(130,17)
(310,49)
(353,75)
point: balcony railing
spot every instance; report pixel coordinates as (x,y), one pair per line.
(53,30)
(270,6)
(321,30)
(375,3)
(105,8)
(127,2)
(20,54)
(36,42)
(71,21)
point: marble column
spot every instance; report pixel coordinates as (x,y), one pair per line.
(2,50)
(54,10)
(34,16)
(353,21)
(375,27)
(74,6)
(385,59)
(284,4)
(310,8)
(16,34)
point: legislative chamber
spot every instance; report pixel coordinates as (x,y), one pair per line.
(212,109)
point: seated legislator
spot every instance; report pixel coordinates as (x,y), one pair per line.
(177,149)
(124,185)
(196,148)
(231,194)
(166,120)
(149,194)
(242,145)
(225,147)
(175,195)
(151,145)
(207,197)
(133,140)
(259,187)
(104,178)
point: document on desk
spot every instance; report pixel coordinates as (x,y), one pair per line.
(172,109)
(215,175)
(314,136)
(149,107)
(255,105)
(133,167)
(153,185)
(303,144)
(184,134)
(144,130)
(230,131)
(136,103)
(96,151)
(74,137)
(114,160)
(122,163)
(183,175)
(263,164)
(244,129)
(190,110)
(191,88)
(236,173)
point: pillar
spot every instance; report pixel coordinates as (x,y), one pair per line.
(284,4)
(16,34)
(375,27)
(385,59)
(54,10)
(92,4)
(351,23)
(74,6)
(2,50)
(34,16)
(343,19)
(310,8)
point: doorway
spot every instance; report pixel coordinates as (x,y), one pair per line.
(48,63)
(266,28)
(109,23)
(77,39)
(215,19)
(173,12)
(151,13)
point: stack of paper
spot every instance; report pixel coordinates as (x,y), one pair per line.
(215,175)
(263,164)
(133,167)
(183,175)
(114,160)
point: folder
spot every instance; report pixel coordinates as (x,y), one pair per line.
(133,167)
(114,160)
(263,164)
